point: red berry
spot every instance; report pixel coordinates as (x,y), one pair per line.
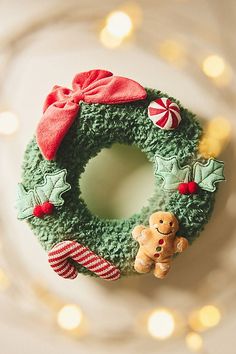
(38,211)
(183,188)
(47,208)
(193,187)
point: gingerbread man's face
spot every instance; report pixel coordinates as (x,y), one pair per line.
(164,222)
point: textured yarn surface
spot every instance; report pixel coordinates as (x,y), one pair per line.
(96,127)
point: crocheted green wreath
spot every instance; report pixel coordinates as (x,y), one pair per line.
(99,111)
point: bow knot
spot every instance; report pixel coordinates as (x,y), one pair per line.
(62,104)
(78,96)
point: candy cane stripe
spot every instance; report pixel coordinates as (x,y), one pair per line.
(92,263)
(57,249)
(60,256)
(112,276)
(58,253)
(98,266)
(70,273)
(63,271)
(59,266)
(164,113)
(105,272)
(69,252)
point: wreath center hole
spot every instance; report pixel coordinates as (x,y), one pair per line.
(117,182)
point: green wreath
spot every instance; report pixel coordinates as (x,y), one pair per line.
(49,196)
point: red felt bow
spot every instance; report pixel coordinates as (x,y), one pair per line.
(62,104)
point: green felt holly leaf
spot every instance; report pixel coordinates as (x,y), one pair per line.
(170,171)
(51,190)
(209,174)
(53,187)
(25,202)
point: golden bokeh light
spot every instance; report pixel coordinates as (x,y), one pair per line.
(204,318)
(209,147)
(172,51)
(8,123)
(108,40)
(194,322)
(119,24)
(209,316)
(216,136)
(194,341)
(213,66)
(161,324)
(69,317)
(118,27)
(219,128)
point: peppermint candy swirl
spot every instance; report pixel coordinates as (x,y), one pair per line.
(164,113)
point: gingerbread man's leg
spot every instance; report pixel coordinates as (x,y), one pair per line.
(142,263)
(161,269)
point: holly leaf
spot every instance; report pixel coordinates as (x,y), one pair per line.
(25,202)
(172,174)
(209,174)
(53,187)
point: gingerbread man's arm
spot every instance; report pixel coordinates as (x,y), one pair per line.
(180,244)
(136,233)
(141,234)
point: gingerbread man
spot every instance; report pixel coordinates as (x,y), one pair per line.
(158,243)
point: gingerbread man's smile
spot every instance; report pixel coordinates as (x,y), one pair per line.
(163,233)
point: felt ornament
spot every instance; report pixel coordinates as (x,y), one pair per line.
(64,253)
(42,199)
(209,174)
(158,243)
(164,113)
(205,176)
(100,110)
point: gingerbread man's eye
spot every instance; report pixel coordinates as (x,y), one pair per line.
(171,223)
(161,221)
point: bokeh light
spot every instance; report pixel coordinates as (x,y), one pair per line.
(108,40)
(8,123)
(209,316)
(172,51)
(209,147)
(194,322)
(204,318)
(161,324)
(69,317)
(194,341)
(119,24)
(213,66)
(219,128)
(216,136)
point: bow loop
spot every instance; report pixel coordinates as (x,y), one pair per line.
(58,94)
(85,79)
(62,104)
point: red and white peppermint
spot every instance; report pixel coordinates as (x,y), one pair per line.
(164,113)
(60,256)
